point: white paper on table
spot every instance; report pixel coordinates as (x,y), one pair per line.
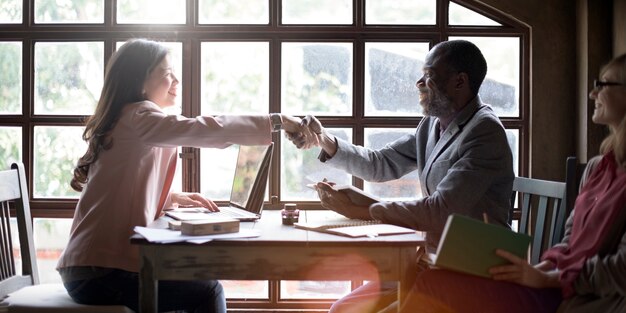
(160,235)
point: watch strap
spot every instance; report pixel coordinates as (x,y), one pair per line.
(276,122)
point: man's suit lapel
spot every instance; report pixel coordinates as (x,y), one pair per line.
(438,146)
(433,137)
(434,147)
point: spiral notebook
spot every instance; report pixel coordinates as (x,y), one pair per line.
(355,228)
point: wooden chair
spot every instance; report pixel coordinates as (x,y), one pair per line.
(541,204)
(573,175)
(21,292)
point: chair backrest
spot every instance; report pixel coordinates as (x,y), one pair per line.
(541,203)
(14,197)
(573,175)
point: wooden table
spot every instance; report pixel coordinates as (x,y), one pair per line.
(280,253)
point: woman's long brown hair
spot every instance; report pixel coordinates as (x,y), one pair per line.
(124,78)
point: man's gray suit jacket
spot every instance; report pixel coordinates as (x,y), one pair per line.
(469,170)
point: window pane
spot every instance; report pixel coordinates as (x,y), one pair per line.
(233,12)
(313,289)
(68,77)
(407,187)
(177,182)
(317,12)
(301,167)
(501,86)
(61,146)
(11,77)
(217,169)
(400,12)
(15,242)
(10,146)
(317,78)
(512,136)
(234,78)
(246,289)
(460,15)
(55,11)
(51,236)
(151,11)
(11,12)
(390,75)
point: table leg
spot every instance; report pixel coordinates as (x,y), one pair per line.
(148,288)
(408,271)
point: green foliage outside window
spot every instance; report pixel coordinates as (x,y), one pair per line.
(235,78)
(233,12)
(68,77)
(10,77)
(75,11)
(10,143)
(11,11)
(58,151)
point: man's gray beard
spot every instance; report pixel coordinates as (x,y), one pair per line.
(440,105)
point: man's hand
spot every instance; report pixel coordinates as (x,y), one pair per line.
(192,199)
(314,124)
(321,137)
(521,272)
(340,203)
(299,133)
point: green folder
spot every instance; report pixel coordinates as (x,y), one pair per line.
(468,245)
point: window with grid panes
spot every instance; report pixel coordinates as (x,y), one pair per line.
(352,63)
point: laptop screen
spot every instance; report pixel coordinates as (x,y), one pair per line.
(249,163)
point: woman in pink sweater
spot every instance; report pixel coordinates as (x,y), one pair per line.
(126,174)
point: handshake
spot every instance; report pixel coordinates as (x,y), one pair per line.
(310,133)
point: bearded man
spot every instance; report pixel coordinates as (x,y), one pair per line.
(459,149)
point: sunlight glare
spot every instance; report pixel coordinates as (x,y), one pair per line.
(152,11)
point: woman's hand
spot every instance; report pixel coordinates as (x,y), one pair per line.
(340,202)
(183,199)
(521,272)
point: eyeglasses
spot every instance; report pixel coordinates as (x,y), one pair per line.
(598,84)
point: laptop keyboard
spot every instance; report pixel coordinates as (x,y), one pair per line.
(225,213)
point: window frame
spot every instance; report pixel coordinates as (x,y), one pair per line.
(192,34)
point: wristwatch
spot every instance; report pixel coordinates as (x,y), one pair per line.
(277,122)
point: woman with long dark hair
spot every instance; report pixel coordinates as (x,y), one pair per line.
(125,176)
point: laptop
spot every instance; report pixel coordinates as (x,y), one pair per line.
(247,192)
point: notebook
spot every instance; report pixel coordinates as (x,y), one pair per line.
(356,195)
(468,245)
(247,192)
(355,228)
